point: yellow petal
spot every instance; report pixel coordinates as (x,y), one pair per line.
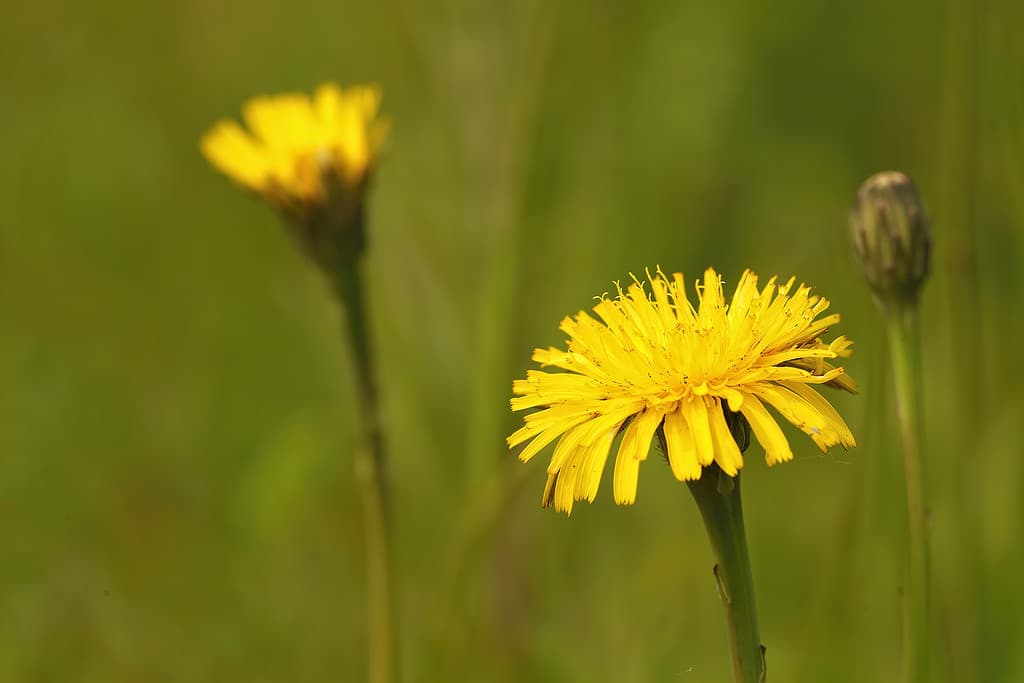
(636,442)
(825,408)
(800,413)
(767,431)
(233,152)
(696,414)
(682,453)
(549,490)
(564,488)
(727,453)
(625,479)
(589,478)
(327,103)
(545,437)
(590,432)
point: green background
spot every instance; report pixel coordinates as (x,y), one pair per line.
(177,500)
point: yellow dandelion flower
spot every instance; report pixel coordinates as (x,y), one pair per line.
(653,365)
(300,148)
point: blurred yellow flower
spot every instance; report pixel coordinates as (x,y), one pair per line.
(298,149)
(653,365)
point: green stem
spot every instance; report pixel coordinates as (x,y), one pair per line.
(905,353)
(718,497)
(371,472)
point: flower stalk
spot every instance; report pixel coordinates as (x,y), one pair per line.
(902,329)
(698,379)
(311,157)
(892,244)
(372,475)
(718,497)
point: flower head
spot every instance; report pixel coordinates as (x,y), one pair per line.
(297,146)
(653,365)
(309,156)
(891,238)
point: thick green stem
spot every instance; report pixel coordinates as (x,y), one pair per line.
(718,497)
(371,472)
(905,354)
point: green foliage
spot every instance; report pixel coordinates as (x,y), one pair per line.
(176,414)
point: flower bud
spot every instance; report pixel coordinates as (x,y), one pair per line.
(891,237)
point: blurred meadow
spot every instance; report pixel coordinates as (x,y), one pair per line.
(177,501)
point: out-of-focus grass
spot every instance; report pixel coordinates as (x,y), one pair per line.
(175,485)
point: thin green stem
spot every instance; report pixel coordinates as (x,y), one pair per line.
(371,472)
(905,353)
(718,497)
